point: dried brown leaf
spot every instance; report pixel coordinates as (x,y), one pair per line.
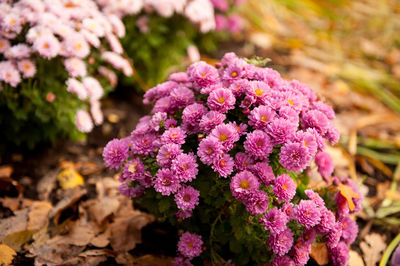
(18,239)
(15,204)
(150,260)
(102,240)
(6,171)
(38,216)
(355,259)
(319,252)
(47,184)
(13,224)
(102,208)
(70,197)
(372,247)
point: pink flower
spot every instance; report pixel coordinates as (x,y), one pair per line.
(223,164)
(83,121)
(243,183)
(189,245)
(166,182)
(47,46)
(76,67)
(187,198)
(285,188)
(94,89)
(258,144)
(76,87)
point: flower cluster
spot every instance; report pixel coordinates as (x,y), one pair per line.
(72,30)
(257,133)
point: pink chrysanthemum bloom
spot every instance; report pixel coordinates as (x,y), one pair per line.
(308,140)
(333,237)
(94,89)
(157,120)
(170,123)
(189,245)
(179,77)
(166,182)
(185,167)
(202,74)
(294,156)
(167,153)
(223,164)
(221,100)
(114,153)
(183,214)
(285,188)
(282,242)
(308,214)
(259,90)
(187,198)
(76,67)
(281,130)
(226,134)
(258,144)
(47,46)
(243,183)
(349,230)
(173,135)
(340,254)
(264,172)
(4,45)
(325,165)
(192,114)
(309,236)
(83,121)
(325,109)
(235,71)
(209,149)
(288,209)
(145,144)
(316,119)
(182,97)
(241,128)
(239,87)
(301,252)
(133,170)
(9,74)
(275,221)
(27,68)
(261,116)
(18,51)
(242,161)
(76,87)
(257,202)
(327,222)
(314,196)
(210,120)
(282,261)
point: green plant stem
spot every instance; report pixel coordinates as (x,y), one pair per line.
(389,250)
(214,254)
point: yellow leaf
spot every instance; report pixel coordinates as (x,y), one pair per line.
(70,178)
(348,193)
(319,253)
(6,254)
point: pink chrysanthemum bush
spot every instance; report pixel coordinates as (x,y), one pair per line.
(226,155)
(57,59)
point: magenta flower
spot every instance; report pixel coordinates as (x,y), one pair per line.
(167,153)
(282,242)
(349,230)
(340,254)
(173,135)
(281,130)
(282,261)
(325,165)
(301,252)
(264,172)
(257,202)
(189,245)
(294,156)
(114,153)
(288,209)
(187,198)
(223,164)
(182,97)
(314,196)
(131,192)
(221,100)
(243,183)
(242,161)
(209,150)
(284,188)
(327,222)
(202,74)
(275,221)
(192,114)
(166,182)
(133,170)
(316,119)
(144,144)
(185,167)
(226,134)
(308,214)
(261,116)
(258,144)
(210,120)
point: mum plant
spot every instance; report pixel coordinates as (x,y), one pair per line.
(226,156)
(57,59)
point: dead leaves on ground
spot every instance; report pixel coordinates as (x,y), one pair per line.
(72,224)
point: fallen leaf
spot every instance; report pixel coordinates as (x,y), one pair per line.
(355,259)
(12,224)
(126,230)
(46,184)
(101,240)
(150,260)
(38,216)
(15,204)
(18,239)
(348,193)
(69,178)
(6,254)
(101,209)
(69,198)
(319,252)
(372,247)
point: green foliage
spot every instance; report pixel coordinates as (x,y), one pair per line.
(157,52)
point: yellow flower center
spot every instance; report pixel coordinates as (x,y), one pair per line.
(222,163)
(203,75)
(234,74)
(290,102)
(190,244)
(305,143)
(78,46)
(209,151)
(259,143)
(244,184)
(263,118)
(167,155)
(186,198)
(8,75)
(284,186)
(12,21)
(258,92)
(223,137)
(46,46)
(221,99)
(184,167)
